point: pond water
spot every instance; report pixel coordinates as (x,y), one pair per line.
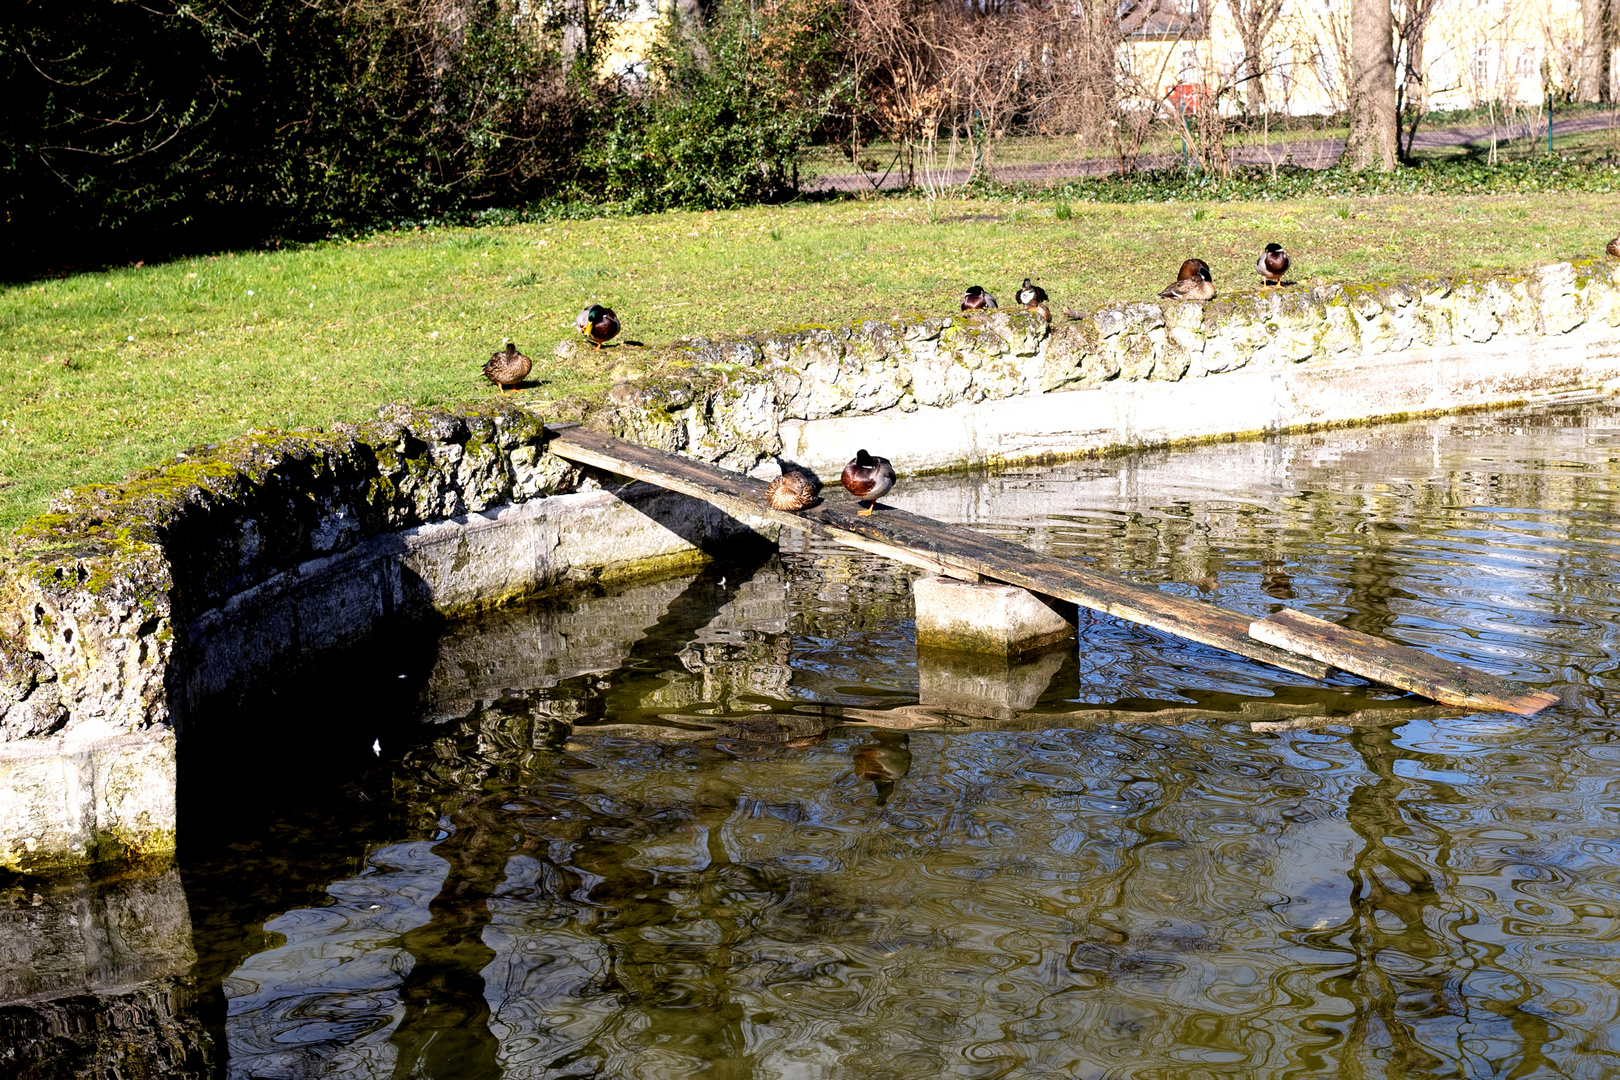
(730,824)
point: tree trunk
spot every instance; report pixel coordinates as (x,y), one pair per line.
(576,34)
(1254,95)
(1593,77)
(690,16)
(1373,132)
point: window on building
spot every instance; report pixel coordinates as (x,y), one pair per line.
(1482,68)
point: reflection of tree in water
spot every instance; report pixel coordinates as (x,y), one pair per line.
(445,1027)
(668,937)
(1405,986)
(672,991)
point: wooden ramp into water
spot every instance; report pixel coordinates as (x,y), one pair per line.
(1288,640)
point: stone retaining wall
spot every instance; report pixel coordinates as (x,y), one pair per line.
(130,605)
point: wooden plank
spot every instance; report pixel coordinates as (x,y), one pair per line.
(1397,665)
(1289,640)
(902,555)
(999,560)
(929,543)
(734,493)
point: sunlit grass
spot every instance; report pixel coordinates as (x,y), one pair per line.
(106,372)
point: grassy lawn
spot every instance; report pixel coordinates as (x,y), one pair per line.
(101,373)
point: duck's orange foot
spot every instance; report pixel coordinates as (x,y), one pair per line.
(867,512)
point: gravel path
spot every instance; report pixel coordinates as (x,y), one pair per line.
(1311,153)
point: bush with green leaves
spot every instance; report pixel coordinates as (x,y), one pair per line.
(715,125)
(241,121)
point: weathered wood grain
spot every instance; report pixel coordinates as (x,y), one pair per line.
(1397,665)
(999,560)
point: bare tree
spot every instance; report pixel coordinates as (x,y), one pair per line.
(1374,130)
(1254,20)
(1411,89)
(894,76)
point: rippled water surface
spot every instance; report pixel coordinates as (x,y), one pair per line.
(730,824)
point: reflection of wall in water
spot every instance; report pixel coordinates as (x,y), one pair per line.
(93,978)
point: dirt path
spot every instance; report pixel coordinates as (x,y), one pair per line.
(1310,153)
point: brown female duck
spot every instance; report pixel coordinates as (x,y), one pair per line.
(793,490)
(1192,283)
(868,478)
(507,368)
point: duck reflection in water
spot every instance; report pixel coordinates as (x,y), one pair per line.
(885,762)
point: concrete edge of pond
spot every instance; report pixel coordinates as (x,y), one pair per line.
(130,605)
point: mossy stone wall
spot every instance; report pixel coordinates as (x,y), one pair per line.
(100,596)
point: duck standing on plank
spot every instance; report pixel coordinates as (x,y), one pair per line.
(507,368)
(1192,283)
(868,478)
(976,299)
(598,323)
(1272,265)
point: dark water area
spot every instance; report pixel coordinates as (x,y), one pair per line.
(730,824)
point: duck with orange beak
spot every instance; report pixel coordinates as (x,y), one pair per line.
(598,323)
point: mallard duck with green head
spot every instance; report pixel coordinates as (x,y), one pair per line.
(1272,265)
(598,323)
(977,299)
(868,478)
(507,368)
(1031,295)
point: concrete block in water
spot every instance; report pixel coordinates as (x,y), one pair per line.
(997,620)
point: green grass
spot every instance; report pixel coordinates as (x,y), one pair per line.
(101,373)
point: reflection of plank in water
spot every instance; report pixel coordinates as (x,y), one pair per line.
(803,727)
(1259,715)
(1279,641)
